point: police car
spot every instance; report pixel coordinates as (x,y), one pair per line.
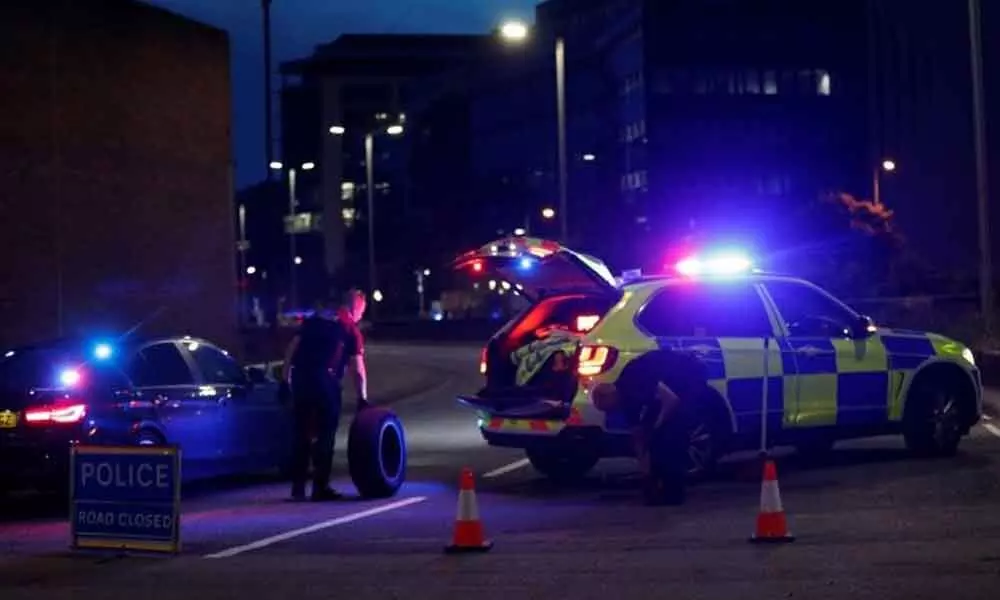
(783,358)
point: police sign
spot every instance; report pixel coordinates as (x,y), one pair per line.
(125,498)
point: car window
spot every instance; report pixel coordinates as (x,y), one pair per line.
(808,311)
(159,364)
(216,367)
(726,309)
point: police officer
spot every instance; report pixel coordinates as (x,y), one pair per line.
(324,349)
(649,393)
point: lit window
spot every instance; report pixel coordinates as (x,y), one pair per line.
(823,83)
(770,83)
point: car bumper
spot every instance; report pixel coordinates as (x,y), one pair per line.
(518,407)
(562,438)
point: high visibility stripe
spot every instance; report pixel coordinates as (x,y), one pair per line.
(770,498)
(467,508)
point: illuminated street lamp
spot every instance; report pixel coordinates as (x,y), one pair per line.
(292,254)
(393,130)
(887,165)
(548,213)
(517,32)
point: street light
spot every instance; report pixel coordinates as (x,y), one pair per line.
(548,213)
(982,175)
(292,254)
(393,130)
(517,32)
(887,165)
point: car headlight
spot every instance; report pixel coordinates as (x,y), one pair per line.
(969,356)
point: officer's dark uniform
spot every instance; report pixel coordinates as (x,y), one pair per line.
(318,367)
(668,444)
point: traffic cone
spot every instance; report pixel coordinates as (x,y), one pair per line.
(468,536)
(772,527)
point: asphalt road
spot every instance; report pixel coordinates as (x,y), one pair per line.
(871,522)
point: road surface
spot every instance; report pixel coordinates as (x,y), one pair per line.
(870,523)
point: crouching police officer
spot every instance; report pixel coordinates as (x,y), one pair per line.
(324,349)
(649,393)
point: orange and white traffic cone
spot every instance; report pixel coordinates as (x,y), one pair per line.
(468,535)
(772,527)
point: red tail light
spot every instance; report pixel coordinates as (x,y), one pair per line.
(62,413)
(594,360)
(482,362)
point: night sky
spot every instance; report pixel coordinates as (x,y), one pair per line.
(299,25)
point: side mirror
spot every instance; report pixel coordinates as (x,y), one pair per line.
(863,328)
(256,376)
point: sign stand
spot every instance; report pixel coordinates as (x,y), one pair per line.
(125,499)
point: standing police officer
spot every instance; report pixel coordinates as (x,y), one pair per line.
(315,364)
(654,393)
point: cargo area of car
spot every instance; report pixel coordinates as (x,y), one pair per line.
(569,316)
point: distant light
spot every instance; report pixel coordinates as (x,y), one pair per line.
(548,213)
(394,130)
(8,354)
(298,260)
(525,263)
(589,157)
(337,130)
(514,31)
(505,285)
(308,166)
(477,266)
(251,270)
(493,284)
(69,377)
(276,165)
(427,272)
(889,165)
(519,231)
(377,296)
(102,351)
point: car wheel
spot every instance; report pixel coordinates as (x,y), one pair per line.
(706,442)
(932,423)
(562,464)
(376,453)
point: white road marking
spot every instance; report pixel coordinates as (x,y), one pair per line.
(992,429)
(281,537)
(520,464)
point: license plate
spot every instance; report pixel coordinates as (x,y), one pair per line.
(8,420)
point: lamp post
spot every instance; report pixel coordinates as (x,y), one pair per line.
(982,182)
(393,130)
(888,166)
(517,32)
(293,259)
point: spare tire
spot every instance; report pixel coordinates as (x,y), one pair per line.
(376,453)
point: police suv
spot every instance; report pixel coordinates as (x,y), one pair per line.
(783,357)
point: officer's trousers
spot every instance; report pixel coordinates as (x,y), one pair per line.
(668,460)
(317,403)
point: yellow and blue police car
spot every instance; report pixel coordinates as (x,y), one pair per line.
(785,361)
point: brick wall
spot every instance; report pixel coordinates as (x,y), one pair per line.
(115,172)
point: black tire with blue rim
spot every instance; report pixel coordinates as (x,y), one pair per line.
(376,453)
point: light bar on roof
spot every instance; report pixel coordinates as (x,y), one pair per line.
(718,264)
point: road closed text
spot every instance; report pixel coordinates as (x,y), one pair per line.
(119,475)
(125,520)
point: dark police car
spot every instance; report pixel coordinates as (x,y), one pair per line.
(227,419)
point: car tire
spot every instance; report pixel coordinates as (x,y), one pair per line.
(932,421)
(707,438)
(376,453)
(562,464)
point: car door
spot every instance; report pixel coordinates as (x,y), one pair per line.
(251,414)
(841,379)
(724,324)
(163,377)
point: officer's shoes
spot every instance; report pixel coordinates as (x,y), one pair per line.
(326,495)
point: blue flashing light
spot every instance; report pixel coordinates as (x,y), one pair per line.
(525,263)
(729,263)
(103,351)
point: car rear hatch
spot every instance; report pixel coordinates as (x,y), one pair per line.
(532,364)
